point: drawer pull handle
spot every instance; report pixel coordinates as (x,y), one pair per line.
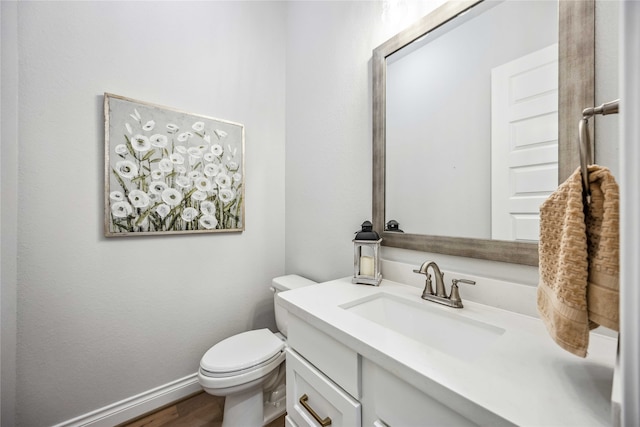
(324,423)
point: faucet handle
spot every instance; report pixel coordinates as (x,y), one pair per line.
(454,282)
(455,294)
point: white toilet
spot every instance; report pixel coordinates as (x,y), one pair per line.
(248,368)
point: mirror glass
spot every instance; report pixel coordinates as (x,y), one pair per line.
(471,123)
(471,137)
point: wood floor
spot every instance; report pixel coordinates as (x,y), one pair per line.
(199,410)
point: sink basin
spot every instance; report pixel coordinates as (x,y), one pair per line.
(426,322)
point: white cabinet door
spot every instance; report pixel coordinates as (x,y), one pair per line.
(389,401)
(524,142)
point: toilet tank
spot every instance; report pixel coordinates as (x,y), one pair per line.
(281,284)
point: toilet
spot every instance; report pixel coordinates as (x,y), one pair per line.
(248,368)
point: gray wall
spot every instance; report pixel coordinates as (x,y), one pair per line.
(100,320)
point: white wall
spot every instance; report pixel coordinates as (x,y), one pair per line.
(100,320)
(629,390)
(329,145)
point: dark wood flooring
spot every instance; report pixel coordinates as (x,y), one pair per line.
(199,410)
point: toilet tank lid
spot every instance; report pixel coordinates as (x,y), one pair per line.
(291,281)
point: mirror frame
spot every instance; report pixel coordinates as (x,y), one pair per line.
(576,91)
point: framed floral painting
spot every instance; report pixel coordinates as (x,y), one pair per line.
(167,171)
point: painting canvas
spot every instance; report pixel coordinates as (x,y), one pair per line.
(168,171)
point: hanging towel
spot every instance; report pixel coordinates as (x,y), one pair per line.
(579,253)
(603,239)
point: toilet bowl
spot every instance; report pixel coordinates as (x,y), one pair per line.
(248,368)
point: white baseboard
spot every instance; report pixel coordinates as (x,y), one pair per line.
(137,405)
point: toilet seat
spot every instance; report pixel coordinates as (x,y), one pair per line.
(241,358)
(239,371)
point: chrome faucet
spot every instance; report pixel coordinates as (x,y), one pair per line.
(440,295)
(439,279)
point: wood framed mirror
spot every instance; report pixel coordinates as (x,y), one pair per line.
(576,80)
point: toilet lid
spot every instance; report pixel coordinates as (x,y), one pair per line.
(242,351)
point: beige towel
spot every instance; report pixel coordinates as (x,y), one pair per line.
(579,255)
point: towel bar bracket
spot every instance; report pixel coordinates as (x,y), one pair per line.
(584,142)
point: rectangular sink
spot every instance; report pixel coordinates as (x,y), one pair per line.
(428,323)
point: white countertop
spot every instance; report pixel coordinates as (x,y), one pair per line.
(523,377)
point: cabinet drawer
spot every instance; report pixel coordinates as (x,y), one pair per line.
(310,392)
(334,359)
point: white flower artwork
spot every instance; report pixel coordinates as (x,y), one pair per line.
(163,175)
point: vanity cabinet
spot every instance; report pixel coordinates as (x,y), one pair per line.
(327,380)
(368,368)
